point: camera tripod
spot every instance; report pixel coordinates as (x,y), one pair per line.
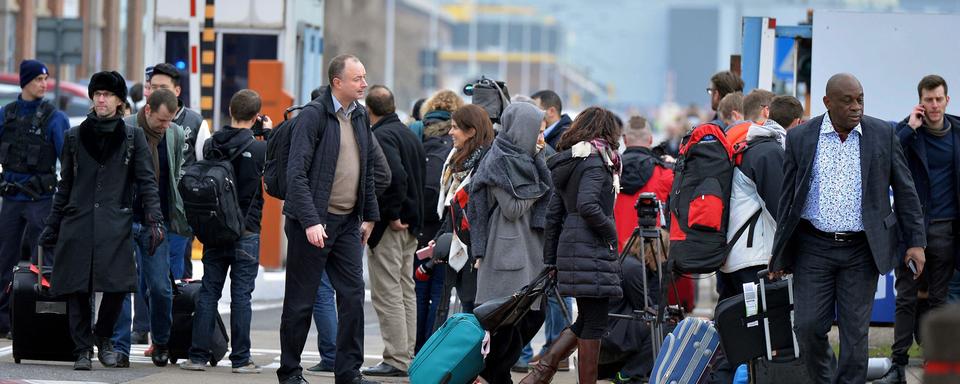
(649,314)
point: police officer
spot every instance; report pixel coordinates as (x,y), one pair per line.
(31,138)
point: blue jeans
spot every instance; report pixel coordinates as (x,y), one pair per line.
(178,247)
(429,294)
(243,261)
(154,276)
(554,323)
(955,288)
(325,317)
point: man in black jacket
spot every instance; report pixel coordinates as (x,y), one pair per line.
(557,122)
(243,257)
(929,139)
(836,230)
(330,192)
(394,241)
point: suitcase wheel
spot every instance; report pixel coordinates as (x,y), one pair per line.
(214,361)
(16,361)
(173,361)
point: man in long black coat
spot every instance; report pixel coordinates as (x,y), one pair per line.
(91,220)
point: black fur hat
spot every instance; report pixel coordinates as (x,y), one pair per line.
(108,81)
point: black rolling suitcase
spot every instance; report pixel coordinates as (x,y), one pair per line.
(181,333)
(40,322)
(759,322)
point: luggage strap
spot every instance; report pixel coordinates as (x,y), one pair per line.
(775,312)
(43,280)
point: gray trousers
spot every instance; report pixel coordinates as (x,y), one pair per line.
(833,278)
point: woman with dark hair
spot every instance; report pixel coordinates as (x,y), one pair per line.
(437,144)
(472,134)
(507,212)
(581,238)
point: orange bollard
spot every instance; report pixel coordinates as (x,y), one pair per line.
(266,78)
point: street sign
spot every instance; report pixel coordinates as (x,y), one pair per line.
(63,37)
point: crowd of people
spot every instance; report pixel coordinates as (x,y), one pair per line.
(457,200)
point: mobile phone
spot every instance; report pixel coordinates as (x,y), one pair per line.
(912,266)
(425,253)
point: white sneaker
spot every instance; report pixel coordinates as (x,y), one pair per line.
(249,367)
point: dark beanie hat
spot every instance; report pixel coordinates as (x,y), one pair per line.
(108,81)
(29,70)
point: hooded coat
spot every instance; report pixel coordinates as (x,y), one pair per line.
(508,206)
(92,207)
(580,233)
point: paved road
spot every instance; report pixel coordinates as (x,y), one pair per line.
(266,352)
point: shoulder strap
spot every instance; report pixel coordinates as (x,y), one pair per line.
(10,112)
(130,143)
(239,151)
(749,224)
(42,117)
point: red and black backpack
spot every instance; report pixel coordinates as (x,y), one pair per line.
(699,201)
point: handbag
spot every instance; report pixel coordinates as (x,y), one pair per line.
(506,311)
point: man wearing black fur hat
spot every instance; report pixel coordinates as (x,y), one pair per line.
(90,224)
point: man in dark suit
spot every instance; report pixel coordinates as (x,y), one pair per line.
(837,231)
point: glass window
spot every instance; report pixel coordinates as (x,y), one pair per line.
(237,51)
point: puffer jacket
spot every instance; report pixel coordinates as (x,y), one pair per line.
(580,235)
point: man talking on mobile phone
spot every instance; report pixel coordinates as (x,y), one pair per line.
(932,149)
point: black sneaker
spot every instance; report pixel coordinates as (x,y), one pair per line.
(298,379)
(84,361)
(321,367)
(105,352)
(894,375)
(123,361)
(160,355)
(360,380)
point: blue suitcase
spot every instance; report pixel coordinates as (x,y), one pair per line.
(687,353)
(452,355)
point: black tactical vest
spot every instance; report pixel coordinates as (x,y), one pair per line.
(24,145)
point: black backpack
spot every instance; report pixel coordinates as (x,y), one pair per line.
(437,149)
(699,201)
(278,149)
(209,192)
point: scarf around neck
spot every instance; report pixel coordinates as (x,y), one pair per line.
(153,140)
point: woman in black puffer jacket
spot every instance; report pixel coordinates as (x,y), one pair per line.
(581,238)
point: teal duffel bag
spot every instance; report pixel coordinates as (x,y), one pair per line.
(452,355)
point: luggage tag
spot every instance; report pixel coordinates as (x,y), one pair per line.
(751,303)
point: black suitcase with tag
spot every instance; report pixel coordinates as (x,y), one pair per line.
(181,333)
(759,322)
(40,322)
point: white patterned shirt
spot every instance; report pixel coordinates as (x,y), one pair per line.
(834,203)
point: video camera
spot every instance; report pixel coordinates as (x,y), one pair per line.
(490,94)
(648,215)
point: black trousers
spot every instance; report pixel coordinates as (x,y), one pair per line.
(937,273)
(465,281)
(591,320)
(341,258)
(506,345)
(833,278)
(80,307)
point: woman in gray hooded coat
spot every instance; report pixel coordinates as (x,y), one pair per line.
(507,213)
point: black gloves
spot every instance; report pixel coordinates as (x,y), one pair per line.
(48,237)
(156,236)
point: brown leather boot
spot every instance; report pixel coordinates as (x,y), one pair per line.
(562,348)
(587,358)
